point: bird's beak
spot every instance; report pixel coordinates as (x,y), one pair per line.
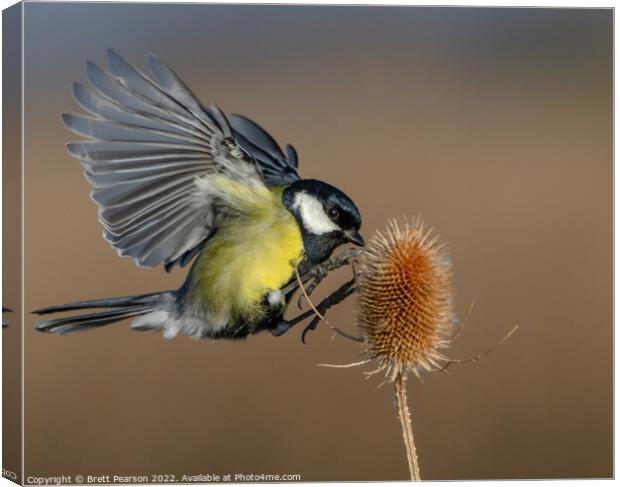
(354,237)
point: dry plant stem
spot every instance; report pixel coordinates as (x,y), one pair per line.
(480,355)
(405,423)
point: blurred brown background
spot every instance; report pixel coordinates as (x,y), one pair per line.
(495,124)
(11,243)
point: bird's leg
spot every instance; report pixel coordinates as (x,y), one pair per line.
(333,299)
(318,273)
(285,325)
(342,293)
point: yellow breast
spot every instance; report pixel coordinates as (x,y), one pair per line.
(249,256)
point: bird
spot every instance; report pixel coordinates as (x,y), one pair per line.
(178,182)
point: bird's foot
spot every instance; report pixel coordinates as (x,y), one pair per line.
(318,274)
(283,326)
(333,299)
(310,327)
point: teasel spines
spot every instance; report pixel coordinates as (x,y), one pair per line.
(405,308)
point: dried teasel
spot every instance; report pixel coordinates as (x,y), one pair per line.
(405,312)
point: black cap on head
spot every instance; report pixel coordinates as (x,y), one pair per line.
(324,210)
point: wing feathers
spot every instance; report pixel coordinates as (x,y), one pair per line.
(104,108)
(151,149)
(176,89)
(292,156)
(130,192)
(163,165)
(146,231)
(256,136)
(118,232)
(120,215)
(140,84)
(112,89)
(105,130)
(172,236)
(103,180)
(275,167)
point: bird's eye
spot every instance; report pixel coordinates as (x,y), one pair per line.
(333,213)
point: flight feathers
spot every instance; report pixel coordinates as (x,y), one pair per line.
(151,152)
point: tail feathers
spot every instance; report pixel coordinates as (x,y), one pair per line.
(125,307)
(119,302)
(75,324)
(4,322)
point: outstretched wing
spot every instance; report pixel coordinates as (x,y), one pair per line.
(154,153)
(276,168)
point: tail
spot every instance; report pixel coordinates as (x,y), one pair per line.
(123,307)
(4,322)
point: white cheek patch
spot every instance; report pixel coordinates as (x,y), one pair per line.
(312,214)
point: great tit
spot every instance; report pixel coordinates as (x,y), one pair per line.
(177,182)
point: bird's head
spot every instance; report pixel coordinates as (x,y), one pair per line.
(327,217)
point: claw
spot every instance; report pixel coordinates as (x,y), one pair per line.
(300,300)
(308,328)
(311,327)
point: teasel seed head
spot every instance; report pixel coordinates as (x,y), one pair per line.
(405,308)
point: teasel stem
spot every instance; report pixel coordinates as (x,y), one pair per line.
(400,385)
